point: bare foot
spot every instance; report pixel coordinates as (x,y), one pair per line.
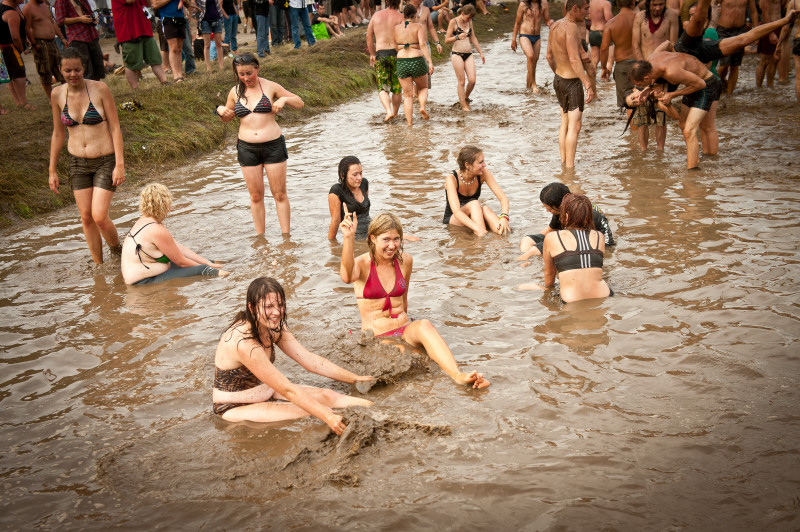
(465,107)
(223,273)
(474,378)
(530,286)
(424,114)
(389,116)
(535,89)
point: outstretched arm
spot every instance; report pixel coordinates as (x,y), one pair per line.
(315,363)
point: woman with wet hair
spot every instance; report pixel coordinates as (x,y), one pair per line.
(575,253)
(248,386)
(383,311)
(87,110)
(351,193)
(462,36)
(462,193)
(149,252)
(260,145)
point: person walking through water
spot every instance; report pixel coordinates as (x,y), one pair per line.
(380,35)
(261,146)
(528,26)
(564,58)
(96,157)
(386,312)
(462,36)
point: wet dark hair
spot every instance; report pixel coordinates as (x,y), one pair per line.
(576,212)
(640,69)
(70,52)
(393,4)
(257,292)
(552,194)
(647,8)
(409,11)
(467,154)
(574,3)
(625,3)
(344,167)
(245,59)
(530,3)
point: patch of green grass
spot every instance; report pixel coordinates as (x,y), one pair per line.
(178,121)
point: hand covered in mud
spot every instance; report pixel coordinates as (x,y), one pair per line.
(364,383)
(349,223)
(336,423)
(502,225)
(589,94)
(54,182)
(474,378)
(663,97)
(118,175)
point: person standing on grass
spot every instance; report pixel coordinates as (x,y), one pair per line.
(12,43)
(135,36)
(82,34)
(42,30)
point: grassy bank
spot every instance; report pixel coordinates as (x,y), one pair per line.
(177,121)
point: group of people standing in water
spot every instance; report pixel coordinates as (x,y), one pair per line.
(247,385)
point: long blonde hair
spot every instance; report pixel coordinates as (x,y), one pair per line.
(383,223)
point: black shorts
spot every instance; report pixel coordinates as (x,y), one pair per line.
(88,173)
(538,240)
(705,97)
(569,92)
(95,66)
(13,61)
(705,51)
(174,27)
(735,59)
(258,153)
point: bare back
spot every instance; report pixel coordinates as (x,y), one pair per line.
(382,26)
(564,36)
(621,28)
(671,65)
(599,14)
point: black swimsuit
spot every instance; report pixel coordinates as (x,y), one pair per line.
(462,199)
(585,256)
(458,31)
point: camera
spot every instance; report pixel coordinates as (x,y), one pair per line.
(147,13)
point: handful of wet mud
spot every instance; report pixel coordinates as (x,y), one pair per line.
(383,358)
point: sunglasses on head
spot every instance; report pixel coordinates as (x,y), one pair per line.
(245,59)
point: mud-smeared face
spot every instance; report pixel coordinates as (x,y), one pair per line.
(354,176)
(270,311)
(657,8)
(387,244)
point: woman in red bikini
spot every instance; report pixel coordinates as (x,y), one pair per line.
(385,313)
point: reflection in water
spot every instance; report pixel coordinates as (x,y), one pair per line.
(671,405)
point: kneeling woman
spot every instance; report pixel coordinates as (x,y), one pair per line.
(575,253)
(247,385)
(385,311)
(150,254)
(462,193)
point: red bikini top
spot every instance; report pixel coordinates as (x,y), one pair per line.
(373,289)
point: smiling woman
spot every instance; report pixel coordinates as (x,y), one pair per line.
(385,312)
(260,145)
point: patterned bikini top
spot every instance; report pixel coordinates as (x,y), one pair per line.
(263,105)
(90,118)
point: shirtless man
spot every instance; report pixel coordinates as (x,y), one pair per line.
(599,15)
(785,33)
(731,23)
(528,26)
(42,30)
(700,90)
(618,32)
(380,35)
(564,58)
(770,11)
(651,27)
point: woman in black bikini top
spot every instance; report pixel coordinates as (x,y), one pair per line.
(461,36)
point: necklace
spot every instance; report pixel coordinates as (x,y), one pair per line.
(463,181)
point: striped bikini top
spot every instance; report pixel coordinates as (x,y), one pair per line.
(585,256)
(263,105)
(90,118)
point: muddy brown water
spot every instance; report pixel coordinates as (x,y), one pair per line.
(673,405)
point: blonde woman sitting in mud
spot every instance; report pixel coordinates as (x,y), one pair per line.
(247,385)
(385,311)
(149,252)
(574,253)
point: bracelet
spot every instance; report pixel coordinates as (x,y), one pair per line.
(437,43)
(504,215)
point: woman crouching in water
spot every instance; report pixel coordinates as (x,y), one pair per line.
(385,312)
(248,387)
(575,253)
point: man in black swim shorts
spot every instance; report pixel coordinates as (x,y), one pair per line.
(563,50)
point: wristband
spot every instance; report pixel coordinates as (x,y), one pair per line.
(504,215)
(437,43)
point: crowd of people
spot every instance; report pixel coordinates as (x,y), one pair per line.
(653,62)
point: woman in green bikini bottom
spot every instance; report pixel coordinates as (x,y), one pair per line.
(413,62)
(150,254)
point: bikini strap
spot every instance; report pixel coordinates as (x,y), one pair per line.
(558,234)
(140,230)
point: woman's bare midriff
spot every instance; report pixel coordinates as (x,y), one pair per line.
(259,127)
(90,142)
(381,321)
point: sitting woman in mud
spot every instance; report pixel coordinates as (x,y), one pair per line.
(351,194)
(462,193)
(575,253)
(150,254)
(385,312)
(247,385)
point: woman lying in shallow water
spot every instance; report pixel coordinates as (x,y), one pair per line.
(248,387)
(385,312)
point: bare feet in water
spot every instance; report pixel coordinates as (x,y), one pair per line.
(474,378)
(424,114)
(535,89)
